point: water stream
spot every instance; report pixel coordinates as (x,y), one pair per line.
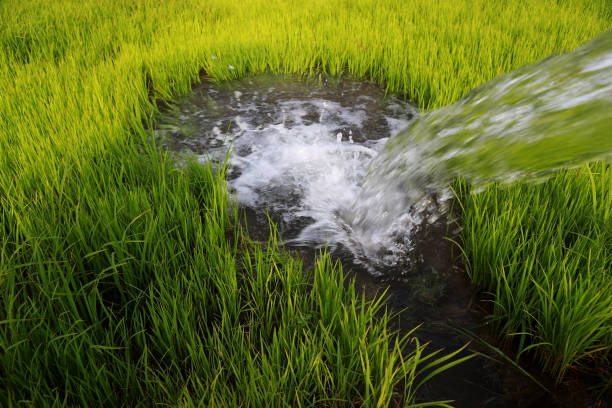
(525,125)
(302,148)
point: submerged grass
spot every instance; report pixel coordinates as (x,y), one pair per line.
(124,281)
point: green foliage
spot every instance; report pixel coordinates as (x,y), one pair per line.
(125,281)
(545,253)
(176,306)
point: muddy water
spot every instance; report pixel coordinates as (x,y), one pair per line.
(300,151)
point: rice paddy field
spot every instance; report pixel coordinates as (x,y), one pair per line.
(125,280)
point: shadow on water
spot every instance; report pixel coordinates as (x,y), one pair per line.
(301,149)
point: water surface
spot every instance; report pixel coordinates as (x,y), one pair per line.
(300,151)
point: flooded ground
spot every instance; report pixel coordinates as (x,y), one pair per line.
(300,151)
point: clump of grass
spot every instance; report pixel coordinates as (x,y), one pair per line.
(544,252)
(177,306)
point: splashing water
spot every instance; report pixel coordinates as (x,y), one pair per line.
(313,155)
(300,148)
(524,125)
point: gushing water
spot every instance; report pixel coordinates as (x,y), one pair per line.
(313,153)
(524,125)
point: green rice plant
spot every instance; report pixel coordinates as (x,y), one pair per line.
(178,306)
(544,253)
(123,280)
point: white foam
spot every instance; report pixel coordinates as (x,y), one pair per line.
(301,153)
(300,168)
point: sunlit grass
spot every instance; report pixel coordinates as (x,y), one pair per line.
(122,280)
(545,253)
(176,306)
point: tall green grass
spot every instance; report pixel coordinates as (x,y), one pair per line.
(176,306)
(545,254)
(123,280)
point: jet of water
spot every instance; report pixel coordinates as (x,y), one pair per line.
(525,125)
